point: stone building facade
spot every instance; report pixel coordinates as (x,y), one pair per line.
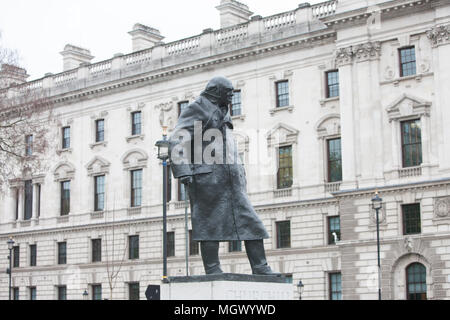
(336,100)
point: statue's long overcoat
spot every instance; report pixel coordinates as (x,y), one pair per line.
(220,208)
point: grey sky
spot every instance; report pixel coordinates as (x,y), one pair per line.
(39,29)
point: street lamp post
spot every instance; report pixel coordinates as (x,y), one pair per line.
(300,288)
(10,243)
(85,295)
(163,154)
(376,205)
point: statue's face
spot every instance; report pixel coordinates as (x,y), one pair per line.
(226,95)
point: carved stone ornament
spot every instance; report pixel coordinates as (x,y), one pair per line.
(408,242)
(344,56)
(442,207)
(165,114)
(439,35)
(366,51)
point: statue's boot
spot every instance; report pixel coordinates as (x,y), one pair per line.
(257,257)
(210,256)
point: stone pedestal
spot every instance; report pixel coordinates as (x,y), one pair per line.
(228,286)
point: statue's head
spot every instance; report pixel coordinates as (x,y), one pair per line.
(219,90)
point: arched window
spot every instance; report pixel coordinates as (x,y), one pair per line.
(416,285)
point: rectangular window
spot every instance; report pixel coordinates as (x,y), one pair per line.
(99,199)
(17,203)
(411,143)
(284,176)
(332,84)
(65,198)
(133,291)
(411,218)
(96,250)
(283,234)
(28,203)
(236,103)
(407,61)
(282,93)
(32,291)
(62,253)
(133,243)
(29,145)
(136,188)
(15,293)
(334,155)
(61,291)
(234,246)
(38,205)
(100,130)
(96,291)
(334,226)
(181,191)
(66,137)
(193,245)
(181,106)
(33,255)
(16,257)
(136,123)
(170,244)
(335,286)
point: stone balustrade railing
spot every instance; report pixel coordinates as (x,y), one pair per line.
(257,29)
(324,9)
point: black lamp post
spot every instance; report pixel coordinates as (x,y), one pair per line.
(163,154)
(85,295)
(300,288)
(10,243)
(377,205)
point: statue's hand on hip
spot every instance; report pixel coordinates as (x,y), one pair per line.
(186,180)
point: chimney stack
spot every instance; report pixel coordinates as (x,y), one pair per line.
(144,37)
(74,56)
(232,13)
(12,75)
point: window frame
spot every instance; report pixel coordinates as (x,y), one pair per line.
(65,142)
(16,256)
(32,291)
(419,144)
(95,287)
(401,63)
(329,177)
(133,251)
(278,95)
(97,193)
(29,145)
(235,246)
(280,242)
(405,207)
(99,134)
(135,125)
(33,255)
(136,191)
(407,283)
(28,200)
(330,231)
(328,85)
(181,106)
(64,198)
(233,103)
(279,168)
(133,290)
(61,292)
(62,254)
(171,244)
(96,250)
(330,285)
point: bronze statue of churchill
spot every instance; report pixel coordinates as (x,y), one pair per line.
(220,208)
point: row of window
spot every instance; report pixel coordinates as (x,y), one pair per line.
(411,225)
(96,292)
(411,154)
(416,286)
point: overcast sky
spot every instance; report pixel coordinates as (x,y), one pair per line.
(39,29)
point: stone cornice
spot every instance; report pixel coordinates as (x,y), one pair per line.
(368,192)
(389,9)
(297,42)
